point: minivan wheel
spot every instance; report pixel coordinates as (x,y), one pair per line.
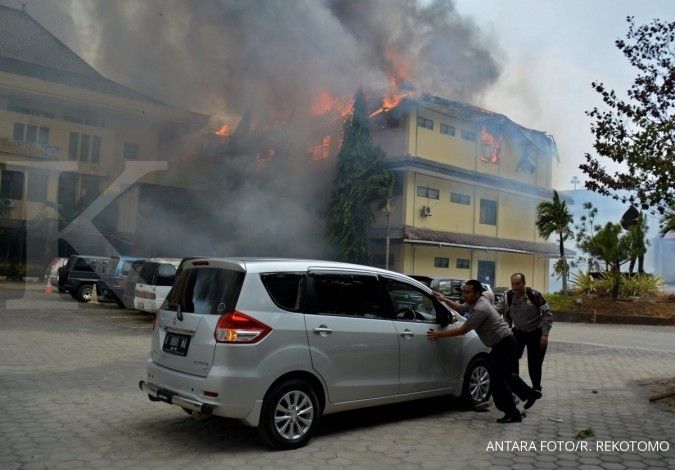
(84,293)
(290,414)
(477,383)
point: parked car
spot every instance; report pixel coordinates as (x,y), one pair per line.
(156,278)
(130,285)
(52,271)
(115,276)
(279,343)
(81,274)
(450,287)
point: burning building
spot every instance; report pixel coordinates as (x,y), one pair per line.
(66,133)
(468,184)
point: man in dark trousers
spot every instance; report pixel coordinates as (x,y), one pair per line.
(527,310)
(493,331)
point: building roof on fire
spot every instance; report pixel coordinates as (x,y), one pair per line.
(28,49)
(425,236)
(541,140)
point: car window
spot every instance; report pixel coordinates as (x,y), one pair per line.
(148,273)
(166,274)
(345,294)
(82,264)
(126,267)
(410,303)
(285,289)
(205,291)
(450,287)
(112,265)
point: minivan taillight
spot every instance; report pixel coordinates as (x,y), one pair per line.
(236,327)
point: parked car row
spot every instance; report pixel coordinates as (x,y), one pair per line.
(130,281)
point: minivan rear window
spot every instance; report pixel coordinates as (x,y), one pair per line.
(285,289)
(202,290)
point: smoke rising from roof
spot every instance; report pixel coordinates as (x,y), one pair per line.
(267,59)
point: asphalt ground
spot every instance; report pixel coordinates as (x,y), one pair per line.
(69,375)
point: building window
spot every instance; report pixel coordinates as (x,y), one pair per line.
(425,191)
(95,149)
(131,151)
(468,135)
(11,185)
(463,263)
(491,145)
(458,198)
(73,145)
(448,130)
(426,123)
(43,138)
(89,121)
(85,147)
(488,212)
(31,133)
(37,186)
(19,129)
(441,262)
(25,110)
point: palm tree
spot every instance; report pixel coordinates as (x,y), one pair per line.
(555,217)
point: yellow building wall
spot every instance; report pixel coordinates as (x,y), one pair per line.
(517,216)
(443,148)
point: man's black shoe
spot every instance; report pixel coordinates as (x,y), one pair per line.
(536,395)
(510,419)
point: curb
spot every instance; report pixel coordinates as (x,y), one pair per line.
(582,317)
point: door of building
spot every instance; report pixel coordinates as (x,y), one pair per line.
(486,272)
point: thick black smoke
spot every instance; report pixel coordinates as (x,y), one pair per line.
(269,59)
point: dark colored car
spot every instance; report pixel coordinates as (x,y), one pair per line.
(130,284)
(115,277)
(80,274)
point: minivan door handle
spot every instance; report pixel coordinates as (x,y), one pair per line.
(323,330)
(407,333)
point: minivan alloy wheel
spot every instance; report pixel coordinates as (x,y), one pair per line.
(294,415)
(479,384)
(290,414)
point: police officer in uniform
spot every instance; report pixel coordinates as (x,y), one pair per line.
(529,314)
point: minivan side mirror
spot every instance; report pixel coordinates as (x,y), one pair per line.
(443,315)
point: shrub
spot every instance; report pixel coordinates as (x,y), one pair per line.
(560,302)
(584,283)
(641,285)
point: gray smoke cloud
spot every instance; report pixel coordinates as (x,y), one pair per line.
(269,60)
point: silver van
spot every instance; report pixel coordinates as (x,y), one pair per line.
(278,343)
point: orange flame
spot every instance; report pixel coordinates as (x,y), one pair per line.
(224,131)
(325,102)
(491,146)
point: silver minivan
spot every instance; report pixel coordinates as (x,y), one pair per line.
(278,343)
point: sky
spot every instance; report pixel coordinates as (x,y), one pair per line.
(550,52)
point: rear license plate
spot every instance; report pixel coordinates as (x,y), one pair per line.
(176,344)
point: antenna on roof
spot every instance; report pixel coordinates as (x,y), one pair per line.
(23,7)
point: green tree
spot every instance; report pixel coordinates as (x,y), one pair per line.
(584,231)
(379,188)
(614,248)
(554,217)
(638,132)
(668,223)
(359,173)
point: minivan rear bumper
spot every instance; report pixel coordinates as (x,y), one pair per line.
(157,393)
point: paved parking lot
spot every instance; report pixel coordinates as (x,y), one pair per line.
(69,375)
